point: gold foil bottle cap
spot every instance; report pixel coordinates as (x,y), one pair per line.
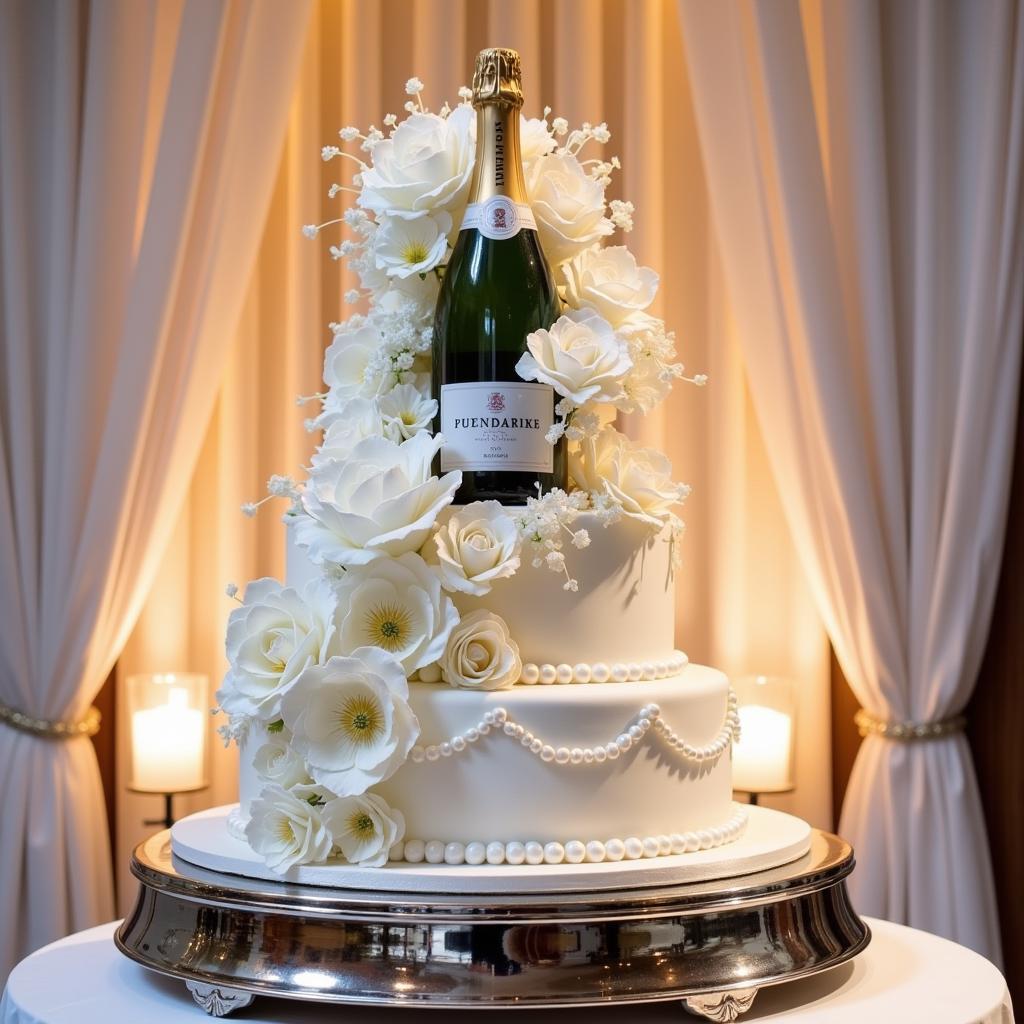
(497,77)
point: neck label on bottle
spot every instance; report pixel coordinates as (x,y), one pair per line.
(498,425)
(498,217)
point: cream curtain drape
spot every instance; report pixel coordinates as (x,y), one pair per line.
(865,171)
(131,206)
(742,602)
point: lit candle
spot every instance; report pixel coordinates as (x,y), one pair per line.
(761,757)
(167,745)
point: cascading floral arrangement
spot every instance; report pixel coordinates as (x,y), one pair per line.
(321,676)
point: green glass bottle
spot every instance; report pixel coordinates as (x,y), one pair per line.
(497,289)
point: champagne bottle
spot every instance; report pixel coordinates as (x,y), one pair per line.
(497,289)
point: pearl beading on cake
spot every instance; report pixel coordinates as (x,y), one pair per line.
(600,672)
(649,717)
(575,851)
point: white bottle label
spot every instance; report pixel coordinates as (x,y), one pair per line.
(497,425)
(498,217)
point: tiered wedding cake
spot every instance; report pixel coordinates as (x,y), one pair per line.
(478,684)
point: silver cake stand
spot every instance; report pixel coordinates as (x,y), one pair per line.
(711,945)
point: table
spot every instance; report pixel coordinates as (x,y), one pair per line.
(904,975)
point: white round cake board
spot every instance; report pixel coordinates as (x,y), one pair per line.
(771,838)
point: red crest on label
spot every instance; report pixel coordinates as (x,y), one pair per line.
(496,401)
(499,219)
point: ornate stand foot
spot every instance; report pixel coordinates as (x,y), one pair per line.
(721,1005)
(218,1001)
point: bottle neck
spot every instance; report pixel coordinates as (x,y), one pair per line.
(499,163)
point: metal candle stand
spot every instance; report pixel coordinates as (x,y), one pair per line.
(711,945)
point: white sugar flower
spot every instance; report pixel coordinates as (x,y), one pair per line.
(609,281)
(285,830)
(395,604)
(348,422)
(364,828)
(272,637)
(638,479)
(535,139)
(476,546)
(406,246)
(647,384)
(381,501)
(348,358)
(481,654)
(568,205)
(581,357)
(425,165)
(404,411)
(350,720)
(276,762)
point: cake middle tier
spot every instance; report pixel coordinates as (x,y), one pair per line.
(561,763)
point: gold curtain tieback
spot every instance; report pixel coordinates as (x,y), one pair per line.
(908,732)
(54,730)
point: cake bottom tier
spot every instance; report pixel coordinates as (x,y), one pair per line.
(573,772)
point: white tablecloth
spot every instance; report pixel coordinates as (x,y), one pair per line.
(904,975)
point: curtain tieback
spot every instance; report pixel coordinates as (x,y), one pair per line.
(54,730)
(908,732)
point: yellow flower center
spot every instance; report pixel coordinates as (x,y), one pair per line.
(285,832)
(388,626)
(361,719)
(414,252)
(361,824)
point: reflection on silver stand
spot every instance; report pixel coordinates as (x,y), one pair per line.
(711,945)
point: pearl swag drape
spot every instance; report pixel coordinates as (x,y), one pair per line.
(130,211)
(865,171)
(593,60)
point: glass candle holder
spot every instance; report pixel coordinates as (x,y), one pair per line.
(168,712)
(762,759)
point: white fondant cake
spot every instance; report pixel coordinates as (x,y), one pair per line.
(636,763)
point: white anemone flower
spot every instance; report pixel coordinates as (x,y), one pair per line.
(406,246)
(397,605)
(286,829)
(404,411)
(364,828)
(350,720)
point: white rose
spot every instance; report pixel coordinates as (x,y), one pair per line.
(638,479)
(476,546)
(271,638)
(581,357)
(285,830)
(350,720)
(276,762)
(404,411)
(568,205)
(535,139)
(397,605)
(347,422)
(347,359)
(609,281)
(425,164)
(364,828)
(381,501)
(403,247)
(481,655)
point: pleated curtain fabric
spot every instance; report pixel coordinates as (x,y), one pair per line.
(864,169)
(131,206)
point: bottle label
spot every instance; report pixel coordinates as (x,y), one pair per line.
(497,425)
(498,217)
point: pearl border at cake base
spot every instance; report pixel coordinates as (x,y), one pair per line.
(231,938)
